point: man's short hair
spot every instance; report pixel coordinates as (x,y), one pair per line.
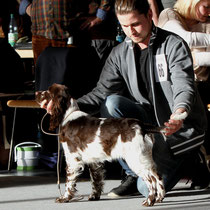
(123,7)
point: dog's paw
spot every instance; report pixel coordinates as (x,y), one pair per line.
(160,196)
(94,197)
(150,201)
(159,199)
(62,200)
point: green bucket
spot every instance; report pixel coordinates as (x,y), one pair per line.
(27,155)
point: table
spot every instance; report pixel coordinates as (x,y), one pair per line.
(25,53)
(24,50)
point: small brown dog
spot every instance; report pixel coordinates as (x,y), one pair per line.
(90,140)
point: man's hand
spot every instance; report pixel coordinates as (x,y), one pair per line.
(90,22)
(47,105)
(175,122)
(28,10)
(172,126)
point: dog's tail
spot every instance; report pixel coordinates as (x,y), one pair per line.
(161,129)
(148,128)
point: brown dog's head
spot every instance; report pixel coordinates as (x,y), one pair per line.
(59,97)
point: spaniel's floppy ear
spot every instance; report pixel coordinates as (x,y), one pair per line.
(60,102)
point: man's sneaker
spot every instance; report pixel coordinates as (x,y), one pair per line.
(201,178)
(127,187)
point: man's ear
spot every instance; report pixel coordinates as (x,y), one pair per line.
(149,14)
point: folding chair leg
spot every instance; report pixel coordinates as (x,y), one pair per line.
(11,142)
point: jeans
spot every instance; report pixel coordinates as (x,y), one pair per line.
(170,167)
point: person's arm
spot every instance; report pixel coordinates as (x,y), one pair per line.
(201,58)
(110,82)
(103,9)
(155,11)
(25,7)
(101,14)
(168,20)
(183,95)
(173,125)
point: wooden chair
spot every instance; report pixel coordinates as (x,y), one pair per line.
(18,104)
(4,144)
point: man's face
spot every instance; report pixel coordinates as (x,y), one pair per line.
(136,26)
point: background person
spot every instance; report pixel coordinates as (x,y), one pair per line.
(53,24)
(157,6)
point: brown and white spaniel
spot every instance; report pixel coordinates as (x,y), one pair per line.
(90,140)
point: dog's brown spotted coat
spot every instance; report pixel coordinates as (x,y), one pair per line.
(81,132)
(90,140)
